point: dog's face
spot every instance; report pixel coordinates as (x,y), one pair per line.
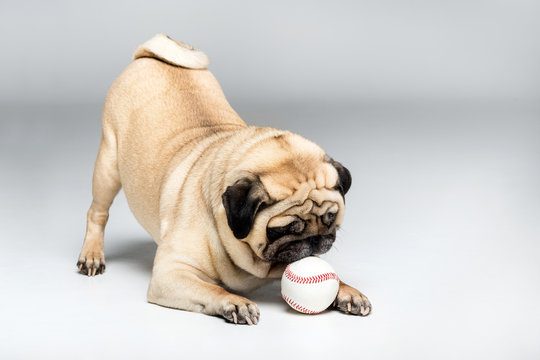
(288,200)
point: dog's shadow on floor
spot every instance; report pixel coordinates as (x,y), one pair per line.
(269,294)
(139,253)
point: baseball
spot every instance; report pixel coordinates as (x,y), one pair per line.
(309,285)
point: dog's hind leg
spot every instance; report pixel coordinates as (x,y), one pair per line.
(105,186)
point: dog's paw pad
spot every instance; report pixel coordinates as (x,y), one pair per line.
(239,310)
(91,263)
(352,301)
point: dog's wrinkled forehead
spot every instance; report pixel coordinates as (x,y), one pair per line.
(286,162)
(306,203)
(303,184)
(284,183)
(313,194)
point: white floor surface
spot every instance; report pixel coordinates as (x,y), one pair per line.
(442,234)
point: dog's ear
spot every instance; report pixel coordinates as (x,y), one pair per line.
(241,201)
(344,177)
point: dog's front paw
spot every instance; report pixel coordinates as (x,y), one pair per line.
(351,301)
(91,262)
(239,310)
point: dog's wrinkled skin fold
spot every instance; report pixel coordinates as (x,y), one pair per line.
(229,205)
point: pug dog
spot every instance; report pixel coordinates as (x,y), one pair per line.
(229,205)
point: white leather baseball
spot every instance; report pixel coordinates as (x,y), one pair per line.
(309,285)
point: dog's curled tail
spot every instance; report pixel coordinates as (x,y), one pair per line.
(172,52)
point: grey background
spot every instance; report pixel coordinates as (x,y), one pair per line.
(57,51)
(432,105)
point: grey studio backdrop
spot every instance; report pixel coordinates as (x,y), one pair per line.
(433,106)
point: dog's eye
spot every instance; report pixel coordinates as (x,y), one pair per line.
(329,218)
(297,226)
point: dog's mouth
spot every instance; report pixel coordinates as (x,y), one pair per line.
(295,250)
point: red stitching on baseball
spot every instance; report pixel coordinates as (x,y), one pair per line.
(299,307)
(309,279)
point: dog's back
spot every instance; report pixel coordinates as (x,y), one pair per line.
(164,98)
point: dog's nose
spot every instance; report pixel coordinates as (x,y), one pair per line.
(329,218)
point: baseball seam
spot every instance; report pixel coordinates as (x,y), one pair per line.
(298,307)
(289,274)
(298,279)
